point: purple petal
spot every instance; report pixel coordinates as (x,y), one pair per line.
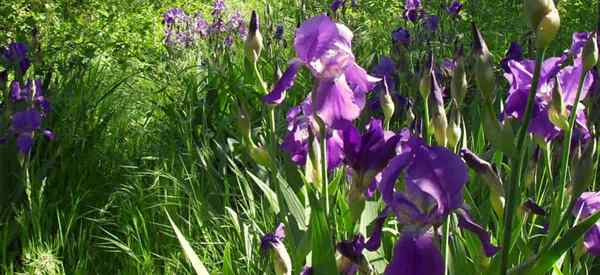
(569,82)
(314,37)
(277,95)
(49,135)
(587,204)
(307,270)
(352,249)
(416,254)
(26,121)
(466,222)
(374,241)
(269,239)
(335,103)
(24,142)
(439,174)
(359,80)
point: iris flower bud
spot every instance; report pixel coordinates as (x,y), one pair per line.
(273,242)
(439,122)
(454,129)
(544,19)
(387,104)
(585,169)
(426,83)
(557,112)
(484,71)
(254,41)
(459,85)
(490,177)
(590,53)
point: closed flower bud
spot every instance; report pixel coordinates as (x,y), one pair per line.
(459,85)
(590,53)
(439,122)
(585,169)
(254,41)
(426,81)
(535,10)
(547,29)
(260,155)
(387,104)
(557,113)
(454,129)
(484,71)
(499,135)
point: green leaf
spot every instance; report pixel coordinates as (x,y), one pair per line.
(187,250)
(294,204)
(323,251)
(548,258)
(227,261)
(269,193)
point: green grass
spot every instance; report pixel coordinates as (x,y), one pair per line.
(140,132)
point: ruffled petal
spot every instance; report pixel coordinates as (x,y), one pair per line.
(314,37)
(359,80)
(335,103)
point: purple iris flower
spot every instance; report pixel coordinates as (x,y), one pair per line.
(448,65)
(401,36)
(20,93)
(520,76)
(352,252)
(455,8)
(588,204)
(173,16)
(386,70)
(16,54)
(367,154)
(218,7)
(579,40)
(274,238)
(434,179)
(416,253)
(324,47)
(301,125)
(412,9)
(306,270)
(200,25)
(23,124)
(278,32)
(515,52)
(432,23)
(336,4)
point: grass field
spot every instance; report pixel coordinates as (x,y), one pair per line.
(144,127)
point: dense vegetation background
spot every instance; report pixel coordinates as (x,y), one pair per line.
(140,130)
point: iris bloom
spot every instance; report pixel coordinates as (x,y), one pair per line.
(520,76)
(273,242)
(412,10)
(455,8)
(515,52)
(26,122)
(366,155)
(434,178)
(401,36)
(432,23)
(297,142)
(324,47)
(586,205)
(16,55)
(352,260)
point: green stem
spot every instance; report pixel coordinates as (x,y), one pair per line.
(446,245)
(564,166)
(324,180)
(513,188)
(426,133)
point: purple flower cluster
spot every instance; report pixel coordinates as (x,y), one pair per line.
(184,31)
(28,102)
(519,73)
(434,177)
